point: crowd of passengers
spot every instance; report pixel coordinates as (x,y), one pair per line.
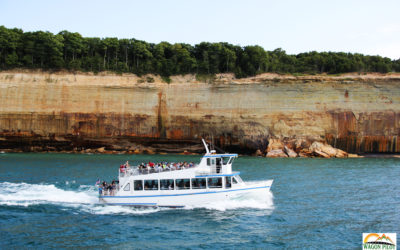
(108,188)
(152,167)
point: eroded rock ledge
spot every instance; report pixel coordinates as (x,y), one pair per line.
(302,148)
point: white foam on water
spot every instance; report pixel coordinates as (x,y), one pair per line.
(256,199)
(85,199)
(105,209)
(42,193)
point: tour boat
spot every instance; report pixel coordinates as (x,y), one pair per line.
(172,185)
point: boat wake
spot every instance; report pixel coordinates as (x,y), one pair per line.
(85,199)
(23,194)
(257,199)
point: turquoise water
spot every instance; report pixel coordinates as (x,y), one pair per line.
(49,201)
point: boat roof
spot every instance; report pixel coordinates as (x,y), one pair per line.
(217,175)
(220,155)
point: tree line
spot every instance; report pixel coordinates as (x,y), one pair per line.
(71,51)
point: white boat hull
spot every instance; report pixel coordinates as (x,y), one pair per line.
(181,198)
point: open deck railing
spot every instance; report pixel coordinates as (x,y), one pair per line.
(149,170)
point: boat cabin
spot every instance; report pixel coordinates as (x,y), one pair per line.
(217,163)
(197,183)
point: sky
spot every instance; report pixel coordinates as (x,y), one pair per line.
(367,27)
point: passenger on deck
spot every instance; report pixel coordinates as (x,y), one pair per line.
(127,166)
(151,167)
(109,189)
(113,187)
(141,168)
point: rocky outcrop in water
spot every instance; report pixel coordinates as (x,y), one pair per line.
(300,148)
(124,113)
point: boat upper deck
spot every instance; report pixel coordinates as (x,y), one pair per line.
(151,168)
(210,163)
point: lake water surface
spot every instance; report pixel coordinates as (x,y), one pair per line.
(49,201)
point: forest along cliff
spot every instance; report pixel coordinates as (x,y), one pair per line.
(42,111)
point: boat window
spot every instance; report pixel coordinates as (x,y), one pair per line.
(127,187)
(218,167)
(213,161)
(225,160)
(182,183)
(215,182)
(150,184)
(228,183)
(234,180)
(167,184)
(199,183)
(208,161)
(138,185)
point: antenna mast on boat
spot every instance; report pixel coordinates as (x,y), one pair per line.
(205,145)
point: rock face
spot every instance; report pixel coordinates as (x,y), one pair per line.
(277,148)
(276,153)
(258,153)
(326,150)
(275,144)
(289,152)
(65,111)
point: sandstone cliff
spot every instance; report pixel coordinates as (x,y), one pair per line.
(356,113)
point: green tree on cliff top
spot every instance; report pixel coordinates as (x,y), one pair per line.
(71,51)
